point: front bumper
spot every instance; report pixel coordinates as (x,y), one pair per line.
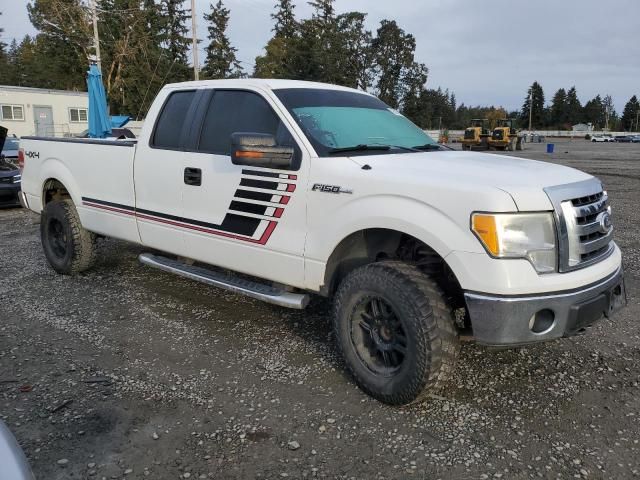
(501,320)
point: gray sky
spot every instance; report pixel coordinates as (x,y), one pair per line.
(488,53)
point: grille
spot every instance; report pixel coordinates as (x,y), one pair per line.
(592,231)
(6,180)
(583,218)
(498,135)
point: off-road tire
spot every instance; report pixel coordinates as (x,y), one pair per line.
(75,250)
(432,343)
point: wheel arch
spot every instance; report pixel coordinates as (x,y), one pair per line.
(372,245)
(57,182)
(54,189)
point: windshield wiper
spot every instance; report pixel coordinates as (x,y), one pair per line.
(427,146)
(358,148)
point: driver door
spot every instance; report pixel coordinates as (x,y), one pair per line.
(248,219)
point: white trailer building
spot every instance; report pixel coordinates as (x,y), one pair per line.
(44,112)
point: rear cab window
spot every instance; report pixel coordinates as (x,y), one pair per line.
(168,130)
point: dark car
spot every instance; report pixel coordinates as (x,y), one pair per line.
(10,178)
(635,138)
(624,138)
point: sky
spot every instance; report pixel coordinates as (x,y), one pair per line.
(487,53)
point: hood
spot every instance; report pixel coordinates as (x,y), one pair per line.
(523,179)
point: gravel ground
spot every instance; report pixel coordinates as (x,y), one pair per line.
(126,372)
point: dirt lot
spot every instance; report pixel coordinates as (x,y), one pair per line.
(125,372)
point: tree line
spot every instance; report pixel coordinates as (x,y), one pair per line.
(566,110)
(145,44)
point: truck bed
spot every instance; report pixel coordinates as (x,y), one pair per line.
(88,168)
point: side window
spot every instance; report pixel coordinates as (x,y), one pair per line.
(171,120)
(233,111)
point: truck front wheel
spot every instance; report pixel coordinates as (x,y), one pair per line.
(395,331)
(69,248)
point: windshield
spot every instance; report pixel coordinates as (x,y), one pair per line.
(335,120)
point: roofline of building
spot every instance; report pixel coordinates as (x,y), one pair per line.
(51,91)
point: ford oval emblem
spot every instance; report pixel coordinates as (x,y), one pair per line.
(604,219)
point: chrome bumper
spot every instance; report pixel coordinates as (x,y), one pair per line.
(22,197)
(513,320)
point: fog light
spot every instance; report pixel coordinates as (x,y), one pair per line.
(542,321)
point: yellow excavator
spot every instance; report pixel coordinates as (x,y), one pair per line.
(476,137)
(505,136)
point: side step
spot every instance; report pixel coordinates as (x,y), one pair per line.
(256,290)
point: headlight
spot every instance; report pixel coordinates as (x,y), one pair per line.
(518,235)
(17,178)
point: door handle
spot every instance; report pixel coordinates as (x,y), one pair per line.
(193,176)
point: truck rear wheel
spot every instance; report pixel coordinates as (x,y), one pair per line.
(69,248)
(395,331)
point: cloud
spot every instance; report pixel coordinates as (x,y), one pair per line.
(485,52)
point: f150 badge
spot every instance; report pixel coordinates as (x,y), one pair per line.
(321,187)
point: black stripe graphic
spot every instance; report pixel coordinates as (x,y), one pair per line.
(260,174)
(247,182)
(231,223)
(108,204)
(251,195)
(248,207)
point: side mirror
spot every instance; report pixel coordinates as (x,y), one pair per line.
(259,150)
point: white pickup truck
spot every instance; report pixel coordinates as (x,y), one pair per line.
(305,188)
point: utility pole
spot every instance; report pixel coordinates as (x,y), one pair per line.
(96,38)
(530,107)
(637,117)
(196,68)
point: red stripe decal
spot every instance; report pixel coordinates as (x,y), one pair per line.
(267,233)
(278,212)
(261,241)
(202,229)
(112,209)
(284,200)
(291,187)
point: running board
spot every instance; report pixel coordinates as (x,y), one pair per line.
(252,289)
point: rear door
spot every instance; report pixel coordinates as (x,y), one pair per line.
(43,117)
(159,174)
(247,219)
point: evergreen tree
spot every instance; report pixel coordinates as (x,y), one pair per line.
(534,103)
(594,112)
(324,10)
(64,41)
(630,116)
(610,115)
(320,43)
(4,61)
(573,107)
(173,34)
(221,61)
(278,60)
(134,63)
(352,54)
(413,101)
(285,20)
(557,114)
(393,51)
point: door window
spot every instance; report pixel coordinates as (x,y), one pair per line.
(168,131)
(232,111)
